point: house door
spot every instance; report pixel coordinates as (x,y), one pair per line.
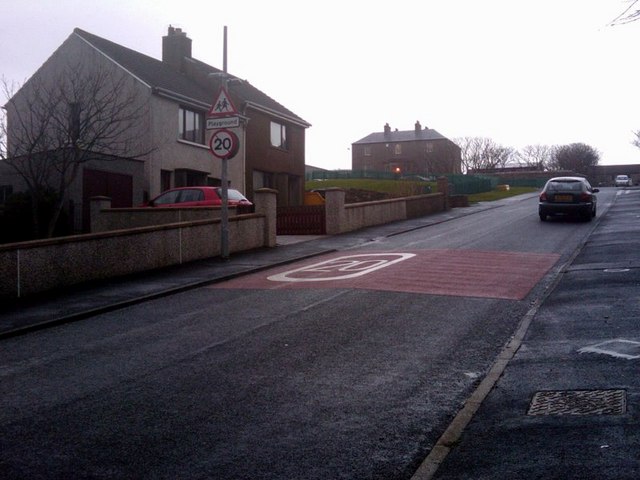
(117,186)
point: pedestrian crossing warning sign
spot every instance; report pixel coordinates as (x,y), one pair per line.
(222,106)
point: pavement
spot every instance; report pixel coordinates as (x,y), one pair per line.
(561,401)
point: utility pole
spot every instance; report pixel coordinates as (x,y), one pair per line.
(224,217)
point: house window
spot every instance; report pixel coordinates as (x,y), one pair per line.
(367,151)
(278,135)
(429,148)
(190,125)
(183,177)
(397,149)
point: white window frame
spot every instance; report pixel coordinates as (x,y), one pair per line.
(278,135)
(196,133)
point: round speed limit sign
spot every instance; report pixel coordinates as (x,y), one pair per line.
(224,144)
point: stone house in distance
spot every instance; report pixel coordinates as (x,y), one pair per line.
(421,151)
(179,91)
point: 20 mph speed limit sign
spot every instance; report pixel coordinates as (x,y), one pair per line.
(224,144)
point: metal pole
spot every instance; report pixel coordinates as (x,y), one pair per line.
(224,51)
(224,217)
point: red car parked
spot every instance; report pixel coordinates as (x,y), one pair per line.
(197,197)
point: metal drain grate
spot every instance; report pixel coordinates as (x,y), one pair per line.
(579,402)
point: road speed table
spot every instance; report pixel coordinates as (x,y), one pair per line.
(224,144)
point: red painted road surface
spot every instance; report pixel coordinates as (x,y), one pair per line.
(466,273)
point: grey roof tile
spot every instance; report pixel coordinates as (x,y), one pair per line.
(160,75)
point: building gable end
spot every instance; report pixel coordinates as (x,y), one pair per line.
(129,72)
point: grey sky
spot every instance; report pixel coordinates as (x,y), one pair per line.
(519,72)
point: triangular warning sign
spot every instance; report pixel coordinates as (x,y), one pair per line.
(223,106)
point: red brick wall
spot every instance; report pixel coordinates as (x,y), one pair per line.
(260,155)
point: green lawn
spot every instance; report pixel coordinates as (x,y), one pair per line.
(499,195)
(405,188)
(398,188)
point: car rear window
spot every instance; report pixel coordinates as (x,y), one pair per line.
(565,185)
(232,194)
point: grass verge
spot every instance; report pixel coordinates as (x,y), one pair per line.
(404,188)
(500,194)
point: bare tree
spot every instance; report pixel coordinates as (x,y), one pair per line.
(483,153)
(56,123)
(535,156)
(577,157)
(630,14)
(445,158)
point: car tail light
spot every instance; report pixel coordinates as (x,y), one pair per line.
(585,197)
(543,197)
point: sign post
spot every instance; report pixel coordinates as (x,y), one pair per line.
(224,144)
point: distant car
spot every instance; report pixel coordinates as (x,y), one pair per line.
(197,197)
(623,181)
(568,196)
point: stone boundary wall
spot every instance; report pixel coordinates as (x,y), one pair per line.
(341,217)
(104,218)
(40,265)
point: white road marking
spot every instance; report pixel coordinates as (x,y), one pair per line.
(348,266)
(615,348)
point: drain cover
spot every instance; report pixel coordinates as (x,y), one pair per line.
(578,402)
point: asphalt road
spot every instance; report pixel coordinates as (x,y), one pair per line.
(566,406)
(330,369)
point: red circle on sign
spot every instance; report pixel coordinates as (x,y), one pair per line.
(224,144)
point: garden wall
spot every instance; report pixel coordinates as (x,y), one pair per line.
(40,265)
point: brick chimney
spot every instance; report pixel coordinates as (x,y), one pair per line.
(175,47)
(418,127)
(387,128)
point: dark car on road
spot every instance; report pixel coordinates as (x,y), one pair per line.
(197,197)
(568,196)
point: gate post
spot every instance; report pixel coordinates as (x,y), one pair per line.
(334,210)
(266,204)
(97,204)
(443,187)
